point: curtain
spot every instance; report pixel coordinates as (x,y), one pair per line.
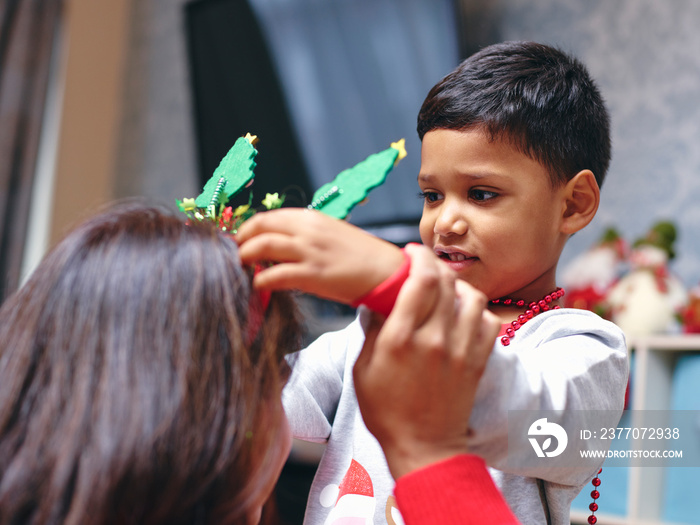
(355,73)
(236,90)
(27,31)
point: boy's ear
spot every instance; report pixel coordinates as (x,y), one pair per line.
(581,200)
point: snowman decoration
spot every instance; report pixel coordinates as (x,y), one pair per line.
(648,299)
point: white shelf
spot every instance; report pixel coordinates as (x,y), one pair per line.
(581,518)
(655,363)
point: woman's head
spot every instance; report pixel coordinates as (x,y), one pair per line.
(134,380)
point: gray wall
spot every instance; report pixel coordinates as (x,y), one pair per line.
(645,55)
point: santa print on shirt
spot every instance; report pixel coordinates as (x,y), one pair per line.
(353,500)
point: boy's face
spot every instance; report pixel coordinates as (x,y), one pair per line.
(491,213)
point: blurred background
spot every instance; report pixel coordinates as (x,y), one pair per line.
(101,100)
(115,98)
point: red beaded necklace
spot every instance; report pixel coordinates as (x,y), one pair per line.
(534,308)
(595,494)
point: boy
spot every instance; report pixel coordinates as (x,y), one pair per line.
(515,144)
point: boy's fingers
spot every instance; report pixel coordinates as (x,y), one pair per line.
(285,221)
(287,276)
(276,247)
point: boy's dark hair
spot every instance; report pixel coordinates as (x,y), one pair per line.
(540,99)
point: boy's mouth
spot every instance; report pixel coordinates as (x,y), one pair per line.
(453,256)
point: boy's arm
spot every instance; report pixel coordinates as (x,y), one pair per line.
(415,381)
(329,258)
(576,371)
(316,254)
(417,373)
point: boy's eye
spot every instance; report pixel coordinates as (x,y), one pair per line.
(429,196)
(482,195)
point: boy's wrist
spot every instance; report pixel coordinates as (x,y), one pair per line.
(382,298)
(405,460)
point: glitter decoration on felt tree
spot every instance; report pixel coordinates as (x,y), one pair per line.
(234,173)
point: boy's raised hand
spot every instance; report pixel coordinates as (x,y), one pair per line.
(418,372)
(316,254)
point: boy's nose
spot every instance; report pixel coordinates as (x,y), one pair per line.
(450,221)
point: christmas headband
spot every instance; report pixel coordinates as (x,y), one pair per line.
(236,172)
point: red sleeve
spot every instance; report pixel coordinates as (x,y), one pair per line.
(458,490)
(383,297)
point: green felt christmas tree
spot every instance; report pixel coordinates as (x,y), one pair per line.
(236,172)
(351,186)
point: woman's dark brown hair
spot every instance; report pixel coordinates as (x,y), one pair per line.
(129,389)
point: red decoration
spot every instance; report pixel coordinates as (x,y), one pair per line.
(533,309)
(595,495)
(691,313)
